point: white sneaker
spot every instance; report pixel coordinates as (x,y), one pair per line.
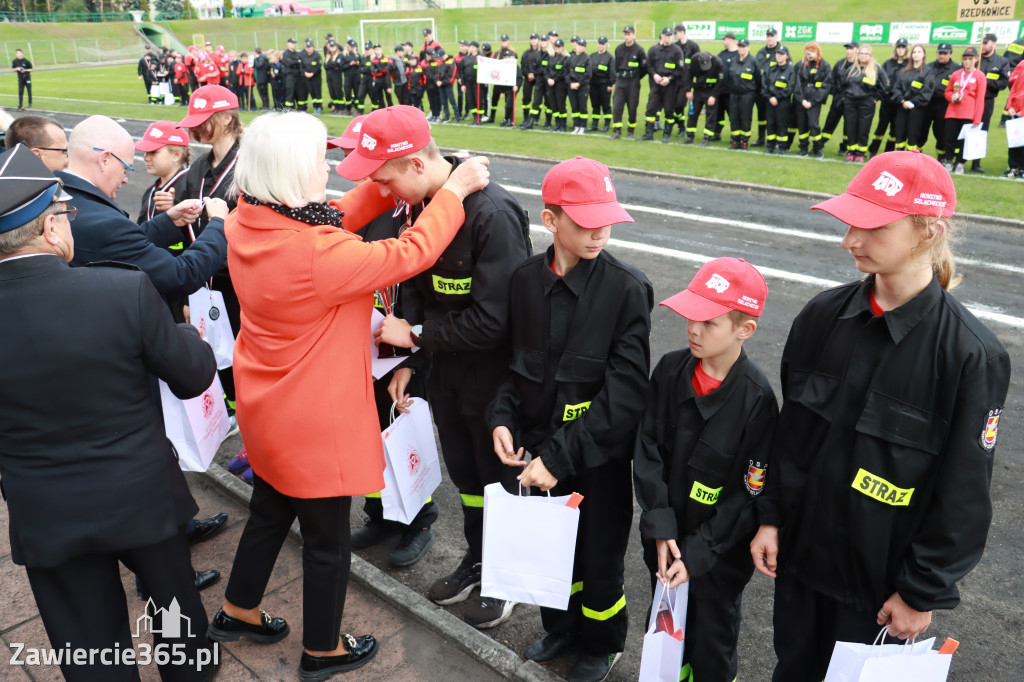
(485,119)
(959,169)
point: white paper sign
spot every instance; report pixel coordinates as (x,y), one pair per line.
(496,71)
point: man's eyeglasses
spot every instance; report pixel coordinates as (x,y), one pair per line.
(71,213)
(63,151)
(127,169)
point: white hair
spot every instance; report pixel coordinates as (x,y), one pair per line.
(279,157)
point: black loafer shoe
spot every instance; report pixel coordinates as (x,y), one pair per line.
(549,647)
(204,529)
(206,578)
(593,667)
(225,628)
(360,651)
(375,531)
(414,544)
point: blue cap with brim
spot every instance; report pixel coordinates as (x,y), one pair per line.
(27,187)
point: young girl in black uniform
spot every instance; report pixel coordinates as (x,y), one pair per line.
(167,157)
(911,93)
(877,500)
(866,84)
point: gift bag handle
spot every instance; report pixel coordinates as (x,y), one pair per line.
(884,632)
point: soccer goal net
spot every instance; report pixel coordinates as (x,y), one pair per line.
(391,32)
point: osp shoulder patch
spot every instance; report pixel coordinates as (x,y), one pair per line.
(754,480)
(990,432)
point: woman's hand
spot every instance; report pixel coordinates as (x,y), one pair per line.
(217,208)
(471,176)
(764,549)
(396,389)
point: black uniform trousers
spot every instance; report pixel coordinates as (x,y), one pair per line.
(741,116)
(600,104)
(468,449)
(82,601)
(909,128)
(350,87)
(378,88)
(697,105)
(886,115)
(662,97)
(314,91)
(724,107)
(597,604)
(261,88)
(326,557)
(808,124)
(447,99)
(434,99)
(292,88)
(334,91)
(779,117)
(762,114)
(473,112)
(527,90)
(832,120)
(807,626)
(538,101)
(362,92)
(496,93)
(556,95)
(857,118)
(935,118)
(627,95)
(578,102)
(955,147)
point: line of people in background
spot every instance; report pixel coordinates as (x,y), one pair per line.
(884,106)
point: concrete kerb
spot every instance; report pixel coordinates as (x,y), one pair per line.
(482,647)
(733,184)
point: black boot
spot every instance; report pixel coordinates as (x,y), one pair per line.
(667,135)
(648,133)
(631,135)
(706,142)
(688,139)
(816,151)
(605,127)
(593,127)
(976,166)
(803,150)
(873,147)
(617,134)
(761,134)
(890,145)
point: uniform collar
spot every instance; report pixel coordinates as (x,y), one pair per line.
(575,280)
(709,404)
(900,321)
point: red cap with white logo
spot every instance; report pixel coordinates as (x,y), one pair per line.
(583,188)
(386,134)
(205,102)
(892,186)
(350,137)
(721,285)
(160,134)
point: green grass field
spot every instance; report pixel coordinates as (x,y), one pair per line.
(115,91)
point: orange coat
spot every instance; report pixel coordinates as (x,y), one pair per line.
(305,402)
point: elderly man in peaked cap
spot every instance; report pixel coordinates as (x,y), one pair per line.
(87,469)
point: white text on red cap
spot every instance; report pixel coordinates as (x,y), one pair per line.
(888,183)
(718,283)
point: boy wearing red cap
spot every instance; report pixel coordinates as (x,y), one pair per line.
(879,499)
(701,457)
(457,313)
(580,322)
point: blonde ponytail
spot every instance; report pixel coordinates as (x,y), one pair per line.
(939,234)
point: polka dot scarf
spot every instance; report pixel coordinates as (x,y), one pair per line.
(312,213)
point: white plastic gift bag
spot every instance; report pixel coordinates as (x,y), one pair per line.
(196,426)
(529,547)
(1015,132)
(975,142)
(209,315)
(662,656)
(412,472)
(878,662)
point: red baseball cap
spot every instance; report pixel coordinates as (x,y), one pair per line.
(350,137)
(721,285)
(160,134)
(891,186)
(385,134)
(205,102)
(583,188)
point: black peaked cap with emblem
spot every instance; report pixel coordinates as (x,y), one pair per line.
(27,187)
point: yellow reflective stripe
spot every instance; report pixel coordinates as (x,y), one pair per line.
(686,673)
(602,67)
(375,496)
(992,76)
(573,412)
(916,84)
(818,84)
(711,80)
(444,285)
(576,587)
(868,80)
(747,76)
(632,64)
(945,81)
(1015,48)
(231,403)
(781,84)
(700,492)
(670,66)
(880,489)
(607,613)
(472,501)
(581,69)
(177,247)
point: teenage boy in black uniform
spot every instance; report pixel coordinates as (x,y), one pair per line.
(23,68)
(467,83)
(765,58)
(703,82)
(350,63)
(505,51)
(530,65)
(601,81)
(690,49)
(558,85)
(701,457)
(665,67)
(540,88)
(729,55)
(290,66)
(630,68)
(580,322)
(745,83)
(457,313)
(839,82)
(311,61)
(778,86)
(939,71)
(580,73)
(365,79)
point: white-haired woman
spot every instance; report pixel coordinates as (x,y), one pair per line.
(302,359)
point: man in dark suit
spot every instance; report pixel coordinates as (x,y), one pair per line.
(99,154)
(88,473)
